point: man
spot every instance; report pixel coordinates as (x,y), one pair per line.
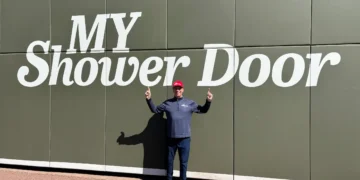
(178,111)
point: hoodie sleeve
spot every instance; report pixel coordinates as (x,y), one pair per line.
(200,109)
(155,109)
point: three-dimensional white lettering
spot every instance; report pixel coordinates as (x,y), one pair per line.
(141,67)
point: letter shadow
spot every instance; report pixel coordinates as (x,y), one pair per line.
(153,139)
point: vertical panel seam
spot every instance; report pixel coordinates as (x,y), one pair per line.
(105,107)
(167,96)
(50,95)
(311,11)
(233,93)
(311,23)
(1,16)
(167,24)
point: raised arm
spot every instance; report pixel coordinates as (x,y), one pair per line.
(201,109)
(153,108)
(205,108)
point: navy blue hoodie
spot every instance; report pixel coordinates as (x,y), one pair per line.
(179,113)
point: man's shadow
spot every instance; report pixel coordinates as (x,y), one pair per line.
(153,138)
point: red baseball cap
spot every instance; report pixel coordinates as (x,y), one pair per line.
(178,83)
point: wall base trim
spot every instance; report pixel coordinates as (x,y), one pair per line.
(130,170)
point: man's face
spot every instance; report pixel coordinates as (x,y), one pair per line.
(178,91)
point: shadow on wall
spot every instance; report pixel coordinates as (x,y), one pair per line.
(153,138)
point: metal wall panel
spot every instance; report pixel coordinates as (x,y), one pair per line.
(148,31)
(78,114)
(335,22)
(22,22)
(278,22)
(190,25)
(334,117)
(62,22)
(24,112)
(272,122)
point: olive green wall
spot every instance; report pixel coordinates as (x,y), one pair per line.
(297,132)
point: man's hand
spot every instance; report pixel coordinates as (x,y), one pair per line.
(148,93)
(209,95)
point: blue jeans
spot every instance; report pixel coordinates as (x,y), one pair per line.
(183,145)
